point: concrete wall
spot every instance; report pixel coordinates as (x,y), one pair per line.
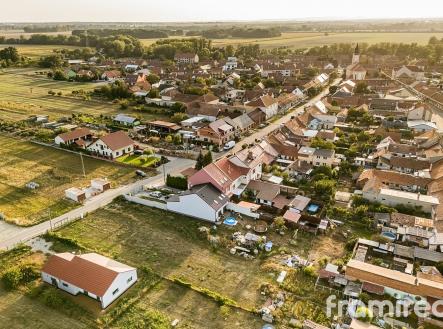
(145,202)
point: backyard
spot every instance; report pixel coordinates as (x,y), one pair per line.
(54,170)
(143,161)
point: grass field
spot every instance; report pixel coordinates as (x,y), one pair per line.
(139,161)
(36,51)
(306,39)
(172,247)
(23,93)
(55,171)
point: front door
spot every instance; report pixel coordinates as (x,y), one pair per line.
(54,282)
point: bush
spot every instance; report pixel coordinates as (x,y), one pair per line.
(12,278)
(178,182)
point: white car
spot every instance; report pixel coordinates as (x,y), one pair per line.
(229,145)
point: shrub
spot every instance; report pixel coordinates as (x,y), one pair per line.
(12,278)
(178,182)
(309,271)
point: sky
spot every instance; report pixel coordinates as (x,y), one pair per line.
(211,10)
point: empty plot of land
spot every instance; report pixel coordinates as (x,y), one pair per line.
(23,93)
(36,51)
(54,170)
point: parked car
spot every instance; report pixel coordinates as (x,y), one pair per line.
(140,173)
(229,145)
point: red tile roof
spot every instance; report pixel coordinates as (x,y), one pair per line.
(117,140)
(74,134)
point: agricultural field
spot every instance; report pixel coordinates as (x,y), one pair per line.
(54,170)
(313,39)
(37,51)
(24,93)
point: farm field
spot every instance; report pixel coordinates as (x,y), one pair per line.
(23,93)
(36,51)
(54,170)
(307,39)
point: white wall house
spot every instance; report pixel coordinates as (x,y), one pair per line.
(409,71)
(93,275)
(113,145)
(393,198)
(201,201)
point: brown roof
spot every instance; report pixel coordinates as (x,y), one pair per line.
(117,140)
(263,101)
(83,271)
(74,134)
(291,216)
(411,163)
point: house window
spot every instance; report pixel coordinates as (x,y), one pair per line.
(65,284)
(115,291)
(129,280)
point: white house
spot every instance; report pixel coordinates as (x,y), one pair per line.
(71,137)
(316,157)
(113,145)
(75,194)
(126,120)
(200,201)
(421,125)
(231,64)
(408,71)
(420,112)
(393,198)
(266,103)
(93,275)
(186,58)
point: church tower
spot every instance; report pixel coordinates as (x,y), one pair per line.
(356,56)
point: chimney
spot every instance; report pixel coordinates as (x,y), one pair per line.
(250,155)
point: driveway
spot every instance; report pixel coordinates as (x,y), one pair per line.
(10,235)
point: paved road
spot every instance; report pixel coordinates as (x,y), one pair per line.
(10,235)
(259,134)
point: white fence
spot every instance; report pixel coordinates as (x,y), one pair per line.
(146,202)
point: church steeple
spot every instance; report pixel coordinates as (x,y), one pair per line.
(356,55)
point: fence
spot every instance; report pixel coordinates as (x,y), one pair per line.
(146,202)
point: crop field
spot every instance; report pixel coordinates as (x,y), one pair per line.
(54,170)
(313,39)
(24,93)
(36,51)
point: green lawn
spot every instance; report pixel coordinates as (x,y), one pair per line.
(138,160)
(55,171)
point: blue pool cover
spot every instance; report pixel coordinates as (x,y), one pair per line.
(231,221)
(313,208)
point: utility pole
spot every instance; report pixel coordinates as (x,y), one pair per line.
(83,164)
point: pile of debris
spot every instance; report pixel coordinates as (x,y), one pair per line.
(296,261)
(271,304)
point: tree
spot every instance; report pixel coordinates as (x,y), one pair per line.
(154,93)
(52,61)
(9,54)
(199,163)
(207,159)
(153,78)
(362,88)
(59,75)
(178,117)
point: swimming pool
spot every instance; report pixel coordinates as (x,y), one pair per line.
(313,208)
(230,221)
(389,235)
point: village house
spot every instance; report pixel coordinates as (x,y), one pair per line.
(111,76)
(409,72)
(389,197)
(112,145)
(393,180)
(267,104)
(93,275)
(125,120)
(316,157)
(186,58)
(200,201)
(71,137)
(218,133)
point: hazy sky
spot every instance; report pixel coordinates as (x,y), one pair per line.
(210,10)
